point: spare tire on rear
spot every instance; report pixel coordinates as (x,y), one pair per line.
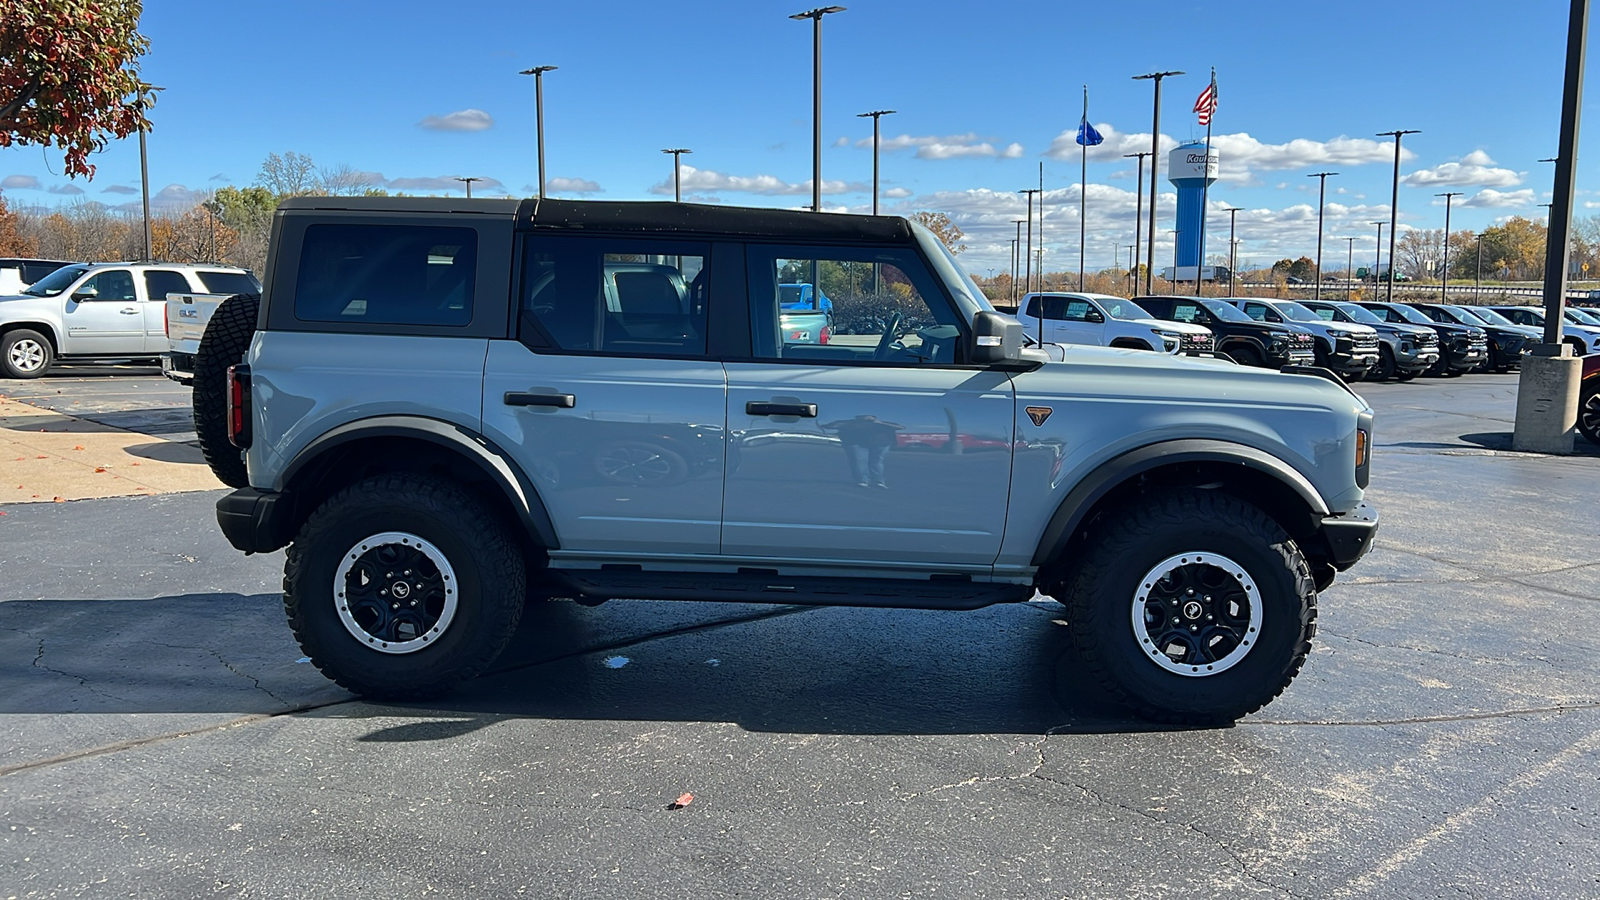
(226,338)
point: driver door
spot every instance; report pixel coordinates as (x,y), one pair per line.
(104,317)
(881,444)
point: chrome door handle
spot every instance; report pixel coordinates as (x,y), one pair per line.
(130,312)
(524,398)
(801,410)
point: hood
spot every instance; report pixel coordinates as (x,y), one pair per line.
(1351,328)
(1140,373)
(1175,327)
(16,306)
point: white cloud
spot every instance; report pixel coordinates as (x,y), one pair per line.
(119,189)
(694,179)
(842,142)
(1239,154)
(462,120)
(574,186)
(175,195)
(1475,169)
(20,183)
(443,183)
(68,189)
(955,146)
(1489,198)
(897,193)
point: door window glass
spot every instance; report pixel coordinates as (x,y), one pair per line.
(1080,311)
(158,283)
(230,282)
(115,284)
(871,305)
(387,274)
(620,296)
(1055,308)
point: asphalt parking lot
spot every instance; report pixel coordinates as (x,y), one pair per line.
(166,737)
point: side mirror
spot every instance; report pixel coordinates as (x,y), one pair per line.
(87,292)
(996,339)
(1095,316)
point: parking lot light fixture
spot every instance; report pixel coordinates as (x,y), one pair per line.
(1155,170)
(815,15)
(677,172)
(875,115)
(468,180)
(1138,216)
(1016,266)
(1444,279)
(1394,201)
(1377,259)
(538,98)
(1322,196)
(1349,266)
(1027,274)
(1233,245)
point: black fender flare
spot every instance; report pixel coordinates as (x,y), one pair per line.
(1117,470)
(1248,341)
(494,462)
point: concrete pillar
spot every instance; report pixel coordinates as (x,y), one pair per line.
(1547,400)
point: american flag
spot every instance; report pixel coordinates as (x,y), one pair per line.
(1207,102)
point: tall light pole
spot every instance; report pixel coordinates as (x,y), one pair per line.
(1444,279)
(677,172)
(1138,218)
(1233,246)
(1027,276)
(1377,259)
(144,168)
(1394,203)
(1155,169)
(538,94)
(1349,266)
(468,180)
(815,15)
(1016,267)
(1175,232)
(1322,196)
(875,115)
(1477,275)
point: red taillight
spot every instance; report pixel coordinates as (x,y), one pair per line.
(239,406)
(825,335)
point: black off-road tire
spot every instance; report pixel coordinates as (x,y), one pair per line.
(1102,592)
(25,353)
(226,338)
(489,578)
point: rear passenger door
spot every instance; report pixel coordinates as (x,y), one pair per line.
(607,398)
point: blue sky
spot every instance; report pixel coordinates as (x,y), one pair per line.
(419,92)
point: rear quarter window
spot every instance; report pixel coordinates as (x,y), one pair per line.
(387,274)
(229,282)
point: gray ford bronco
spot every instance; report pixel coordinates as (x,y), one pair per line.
(445,408)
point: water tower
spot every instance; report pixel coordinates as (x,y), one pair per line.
(1190,172)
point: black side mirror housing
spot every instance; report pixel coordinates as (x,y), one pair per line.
(996,339)
(85,293)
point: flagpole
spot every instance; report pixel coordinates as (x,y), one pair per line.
(1083,181)
(1205,185)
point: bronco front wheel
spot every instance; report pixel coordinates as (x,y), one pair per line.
(1194,607)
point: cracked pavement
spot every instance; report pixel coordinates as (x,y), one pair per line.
(164,737)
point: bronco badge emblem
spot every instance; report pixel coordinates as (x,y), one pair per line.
(1039,413)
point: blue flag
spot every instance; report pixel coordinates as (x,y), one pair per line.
(1087,136)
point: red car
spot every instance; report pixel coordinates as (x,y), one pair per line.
(1589,399)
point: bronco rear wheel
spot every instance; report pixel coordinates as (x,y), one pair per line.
(1193,607)
(403,586)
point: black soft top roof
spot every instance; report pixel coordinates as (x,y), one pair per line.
(635,216)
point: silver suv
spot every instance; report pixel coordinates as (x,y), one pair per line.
(448,407)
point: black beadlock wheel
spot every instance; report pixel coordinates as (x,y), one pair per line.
(1194,607)
(403,586)
(226,338)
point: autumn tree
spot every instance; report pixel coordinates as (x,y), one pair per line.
(1419,251)
(12,241)
(940,224)
(1303,268)
(69,75)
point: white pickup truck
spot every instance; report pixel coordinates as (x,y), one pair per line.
(102,311)
(187,315)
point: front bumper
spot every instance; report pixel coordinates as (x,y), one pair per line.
(1353,362)
(1349,536)
(1294,356)
(1468,358)
(255,521)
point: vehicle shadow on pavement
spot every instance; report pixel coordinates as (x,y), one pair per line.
(1501,440)
(822,670)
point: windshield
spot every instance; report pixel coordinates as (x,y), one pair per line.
(1488,315)
(56,281)
(1467,315)
(1118,308)
(1582,316)
(1411,315)
(1295,311)
(968,295)
(1227,312)
(1360,314)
